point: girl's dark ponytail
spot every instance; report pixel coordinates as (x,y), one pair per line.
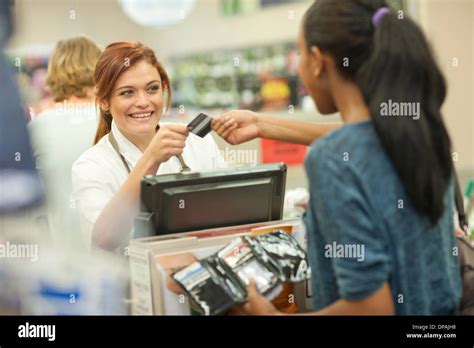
(393,65)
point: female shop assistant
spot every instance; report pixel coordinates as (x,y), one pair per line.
(382,183)
(130,87)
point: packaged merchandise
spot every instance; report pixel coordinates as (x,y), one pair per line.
(220,281)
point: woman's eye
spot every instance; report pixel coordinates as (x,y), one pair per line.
(154,88)
(127,92)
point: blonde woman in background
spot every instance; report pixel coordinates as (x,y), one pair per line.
(60,134)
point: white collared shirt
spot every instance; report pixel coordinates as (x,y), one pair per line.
(99,172)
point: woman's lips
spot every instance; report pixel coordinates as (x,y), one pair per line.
(141,114)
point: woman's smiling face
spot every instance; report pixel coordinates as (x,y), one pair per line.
(136,103)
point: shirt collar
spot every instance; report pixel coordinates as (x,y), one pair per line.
(128,150)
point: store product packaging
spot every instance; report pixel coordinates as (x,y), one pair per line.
(220,281)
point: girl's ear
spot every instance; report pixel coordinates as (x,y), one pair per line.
(316,61)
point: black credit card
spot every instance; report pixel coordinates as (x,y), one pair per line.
(201,125)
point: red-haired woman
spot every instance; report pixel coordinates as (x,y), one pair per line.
(130,87)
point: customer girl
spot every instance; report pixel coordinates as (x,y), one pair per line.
(381,184)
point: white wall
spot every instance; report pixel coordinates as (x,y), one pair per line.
(449,25)
(206,29)
(41,23)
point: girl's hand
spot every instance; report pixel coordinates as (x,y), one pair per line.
(237,126)
(256,304)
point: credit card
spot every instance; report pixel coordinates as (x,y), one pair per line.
(201,125)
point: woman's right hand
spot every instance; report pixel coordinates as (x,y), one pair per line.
(237,126)
(169,141)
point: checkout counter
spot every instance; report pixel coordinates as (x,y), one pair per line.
(189,216)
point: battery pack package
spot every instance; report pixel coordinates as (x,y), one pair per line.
(284,251)
(205,290)
(220,281)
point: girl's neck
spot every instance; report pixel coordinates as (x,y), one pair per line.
(350,102)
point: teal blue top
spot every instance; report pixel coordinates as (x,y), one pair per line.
(362,230)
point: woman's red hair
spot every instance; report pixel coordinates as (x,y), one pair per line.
(116,58)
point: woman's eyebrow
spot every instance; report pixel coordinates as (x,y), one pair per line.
(122,87)
(134,87)
(149,83)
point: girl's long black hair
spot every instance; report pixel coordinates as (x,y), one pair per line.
(392,63)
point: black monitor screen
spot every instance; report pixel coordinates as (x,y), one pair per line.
(186,202)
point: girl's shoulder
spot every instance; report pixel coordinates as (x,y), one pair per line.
(355,139)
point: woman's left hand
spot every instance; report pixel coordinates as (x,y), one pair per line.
(256,305)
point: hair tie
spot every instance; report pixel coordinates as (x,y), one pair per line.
(378,15)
